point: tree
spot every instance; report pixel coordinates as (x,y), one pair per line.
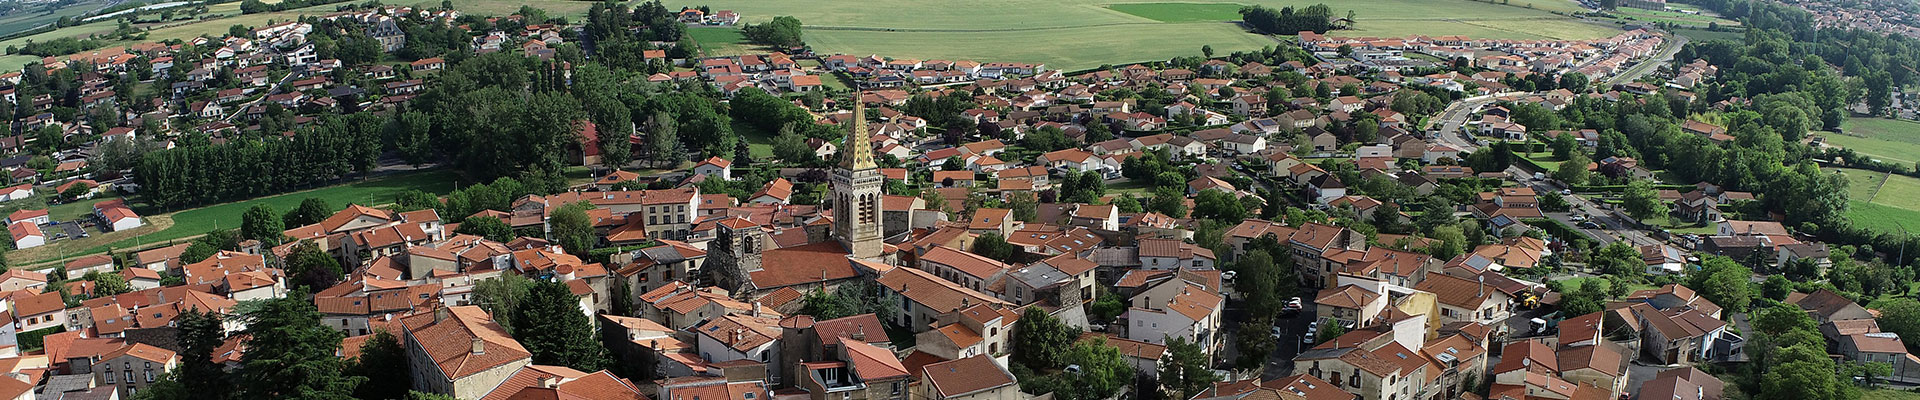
(263,224)
(1572,171)
(491,228)
(1724,282)
(663,141)
(1255,343)
(501,296)
(790,147)
(1184,369)
(1041,341)
(1901,316)
(107,283)
(573,229)
(311,267)
(1025,206)
(1641,201)
(1219,206)
(1206,50)
(550,325)
(197,377)
(1329,331)
(383,361)
(311,211)
(782,31)
(1170,201)
(415,200)
(1103,372)
(77,191)
(992,245)
(290,355)
(209,244)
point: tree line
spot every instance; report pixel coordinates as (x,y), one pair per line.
(1288,21)
(335,147)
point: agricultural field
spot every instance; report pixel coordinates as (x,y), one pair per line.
(1882,202)
(1883,139)
(1181,12)
(1076,34)
(170,227)
(24,20)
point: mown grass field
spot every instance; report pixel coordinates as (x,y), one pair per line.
(721,41)
(1880,138)
(1882,202)
(1074,34)
(165,228)
(1181,12)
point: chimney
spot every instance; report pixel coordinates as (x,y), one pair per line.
(479,346)
(439,314)
(756,308)
(860,335)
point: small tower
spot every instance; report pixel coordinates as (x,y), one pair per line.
(856,191)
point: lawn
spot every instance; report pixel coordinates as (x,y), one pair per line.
(1182,12)
(1880,138)
(198,221)
(1889,394)
(1075,34)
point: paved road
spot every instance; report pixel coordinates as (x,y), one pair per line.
(1662,57)
(1454,118)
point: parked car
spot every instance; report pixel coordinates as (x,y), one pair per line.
(1313,332)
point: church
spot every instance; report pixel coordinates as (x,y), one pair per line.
(744,260)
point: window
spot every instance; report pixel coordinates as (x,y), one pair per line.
(108,374)
(129,375)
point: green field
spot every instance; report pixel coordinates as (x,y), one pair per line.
(21,21)
(1889,394)
(721,42)
(1883,139)
(198,221)
(1882,202)
(1074,34)
(1182,12)
(1702,35)
(1672,17)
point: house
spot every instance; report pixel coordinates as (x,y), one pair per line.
(17,192)
(1467,300)
(459,351)
(1684,383)
(970,378)
(139,366)
(26,235)
(101,263)
(115,214)
(35,216)
(1175,308)
(40,311)
(715,167)
(750,337)
(547,381)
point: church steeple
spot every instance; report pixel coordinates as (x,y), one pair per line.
(856,192)
(856,153)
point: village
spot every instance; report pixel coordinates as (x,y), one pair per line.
(1337,218)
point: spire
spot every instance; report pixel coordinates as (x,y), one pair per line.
(856,153)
